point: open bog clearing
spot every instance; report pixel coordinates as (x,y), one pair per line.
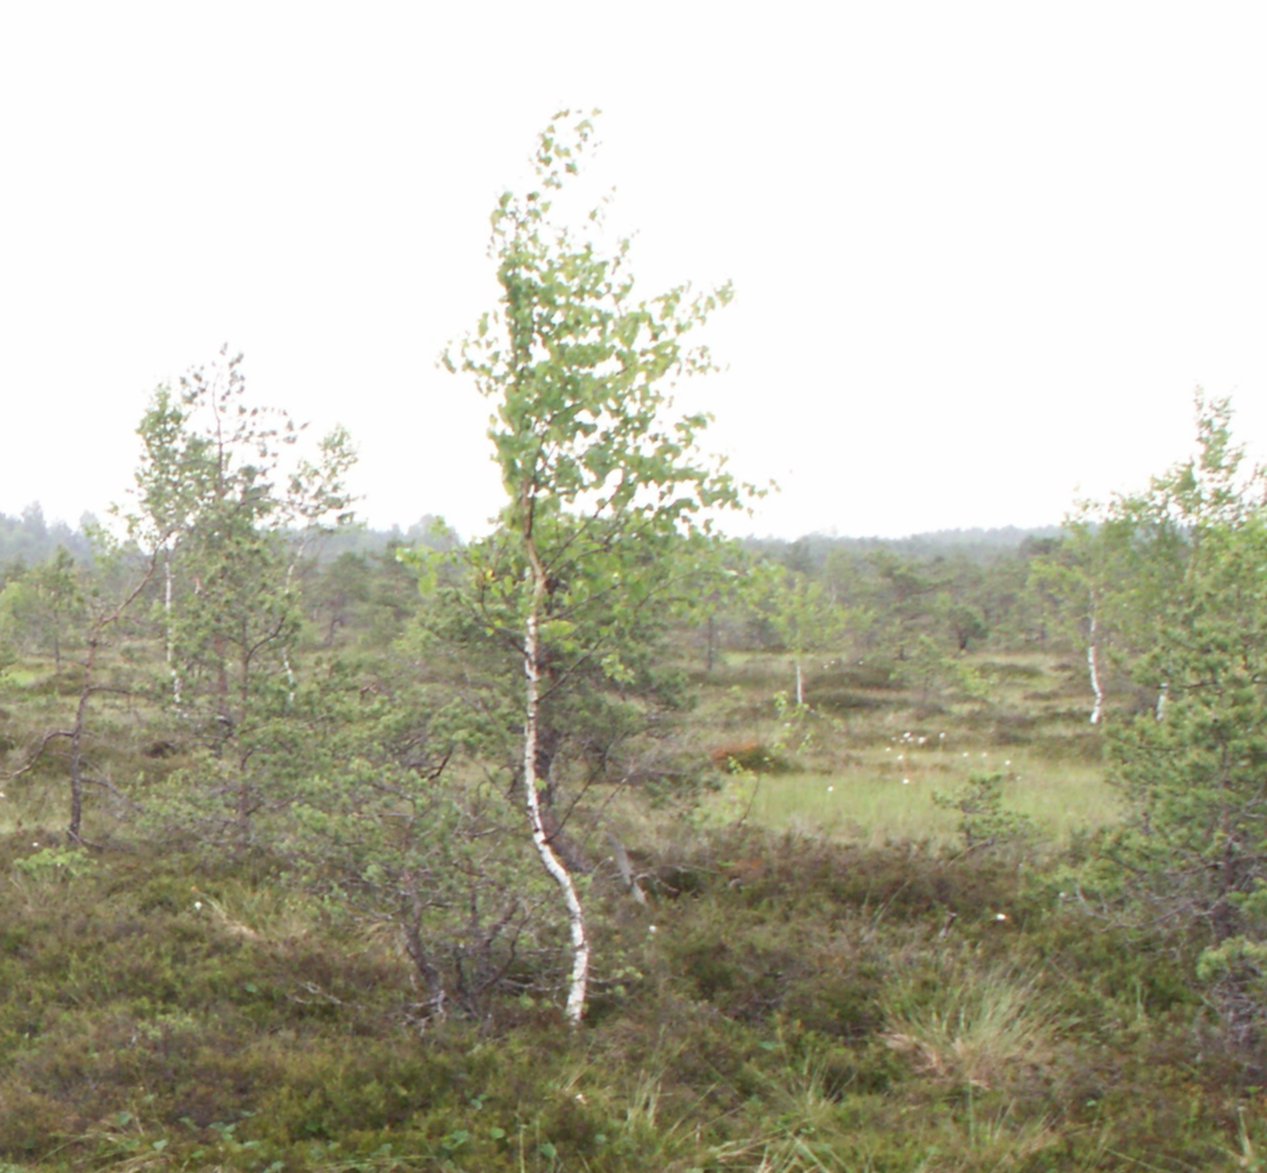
(869,757)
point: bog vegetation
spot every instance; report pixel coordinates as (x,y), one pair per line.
(598,843)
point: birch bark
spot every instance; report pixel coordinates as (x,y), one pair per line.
(578,983)
(1093,670)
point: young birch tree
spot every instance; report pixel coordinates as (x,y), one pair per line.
(173,475)
(1190,599)
(227,516)
(1122,565)
(602,480)
(1086,586)
(802,613)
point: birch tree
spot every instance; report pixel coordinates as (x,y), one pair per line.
(1116,578)
(802,613)
(173,475)
(226,512)
(602,479)
(1085,585)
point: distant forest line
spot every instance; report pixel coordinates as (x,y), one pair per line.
(29,539)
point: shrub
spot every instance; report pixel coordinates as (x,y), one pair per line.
(983,821)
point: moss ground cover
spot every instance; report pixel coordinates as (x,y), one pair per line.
(823,977)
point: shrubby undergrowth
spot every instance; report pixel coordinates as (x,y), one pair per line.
(779,1002)
(971,996)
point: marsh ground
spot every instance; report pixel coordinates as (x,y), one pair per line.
(825,978)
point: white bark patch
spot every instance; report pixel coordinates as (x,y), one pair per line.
(579,982)
(1093,670)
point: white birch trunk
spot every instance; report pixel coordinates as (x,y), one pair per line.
(800,686)
(557,869)
(172,670)
(292,681)
(1093,670)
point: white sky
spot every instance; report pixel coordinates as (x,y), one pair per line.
(984,252)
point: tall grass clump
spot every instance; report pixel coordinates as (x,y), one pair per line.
(967,1024)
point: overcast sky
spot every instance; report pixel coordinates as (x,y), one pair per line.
(983,253)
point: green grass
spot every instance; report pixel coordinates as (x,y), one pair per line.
(893,800)
(872,774)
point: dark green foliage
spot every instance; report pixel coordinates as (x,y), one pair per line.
(984,822)
(1192,856)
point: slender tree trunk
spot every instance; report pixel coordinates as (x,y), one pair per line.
(800,685)
(558,871)
(172,670)
(1093,670)
(73,831)
(292,681)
